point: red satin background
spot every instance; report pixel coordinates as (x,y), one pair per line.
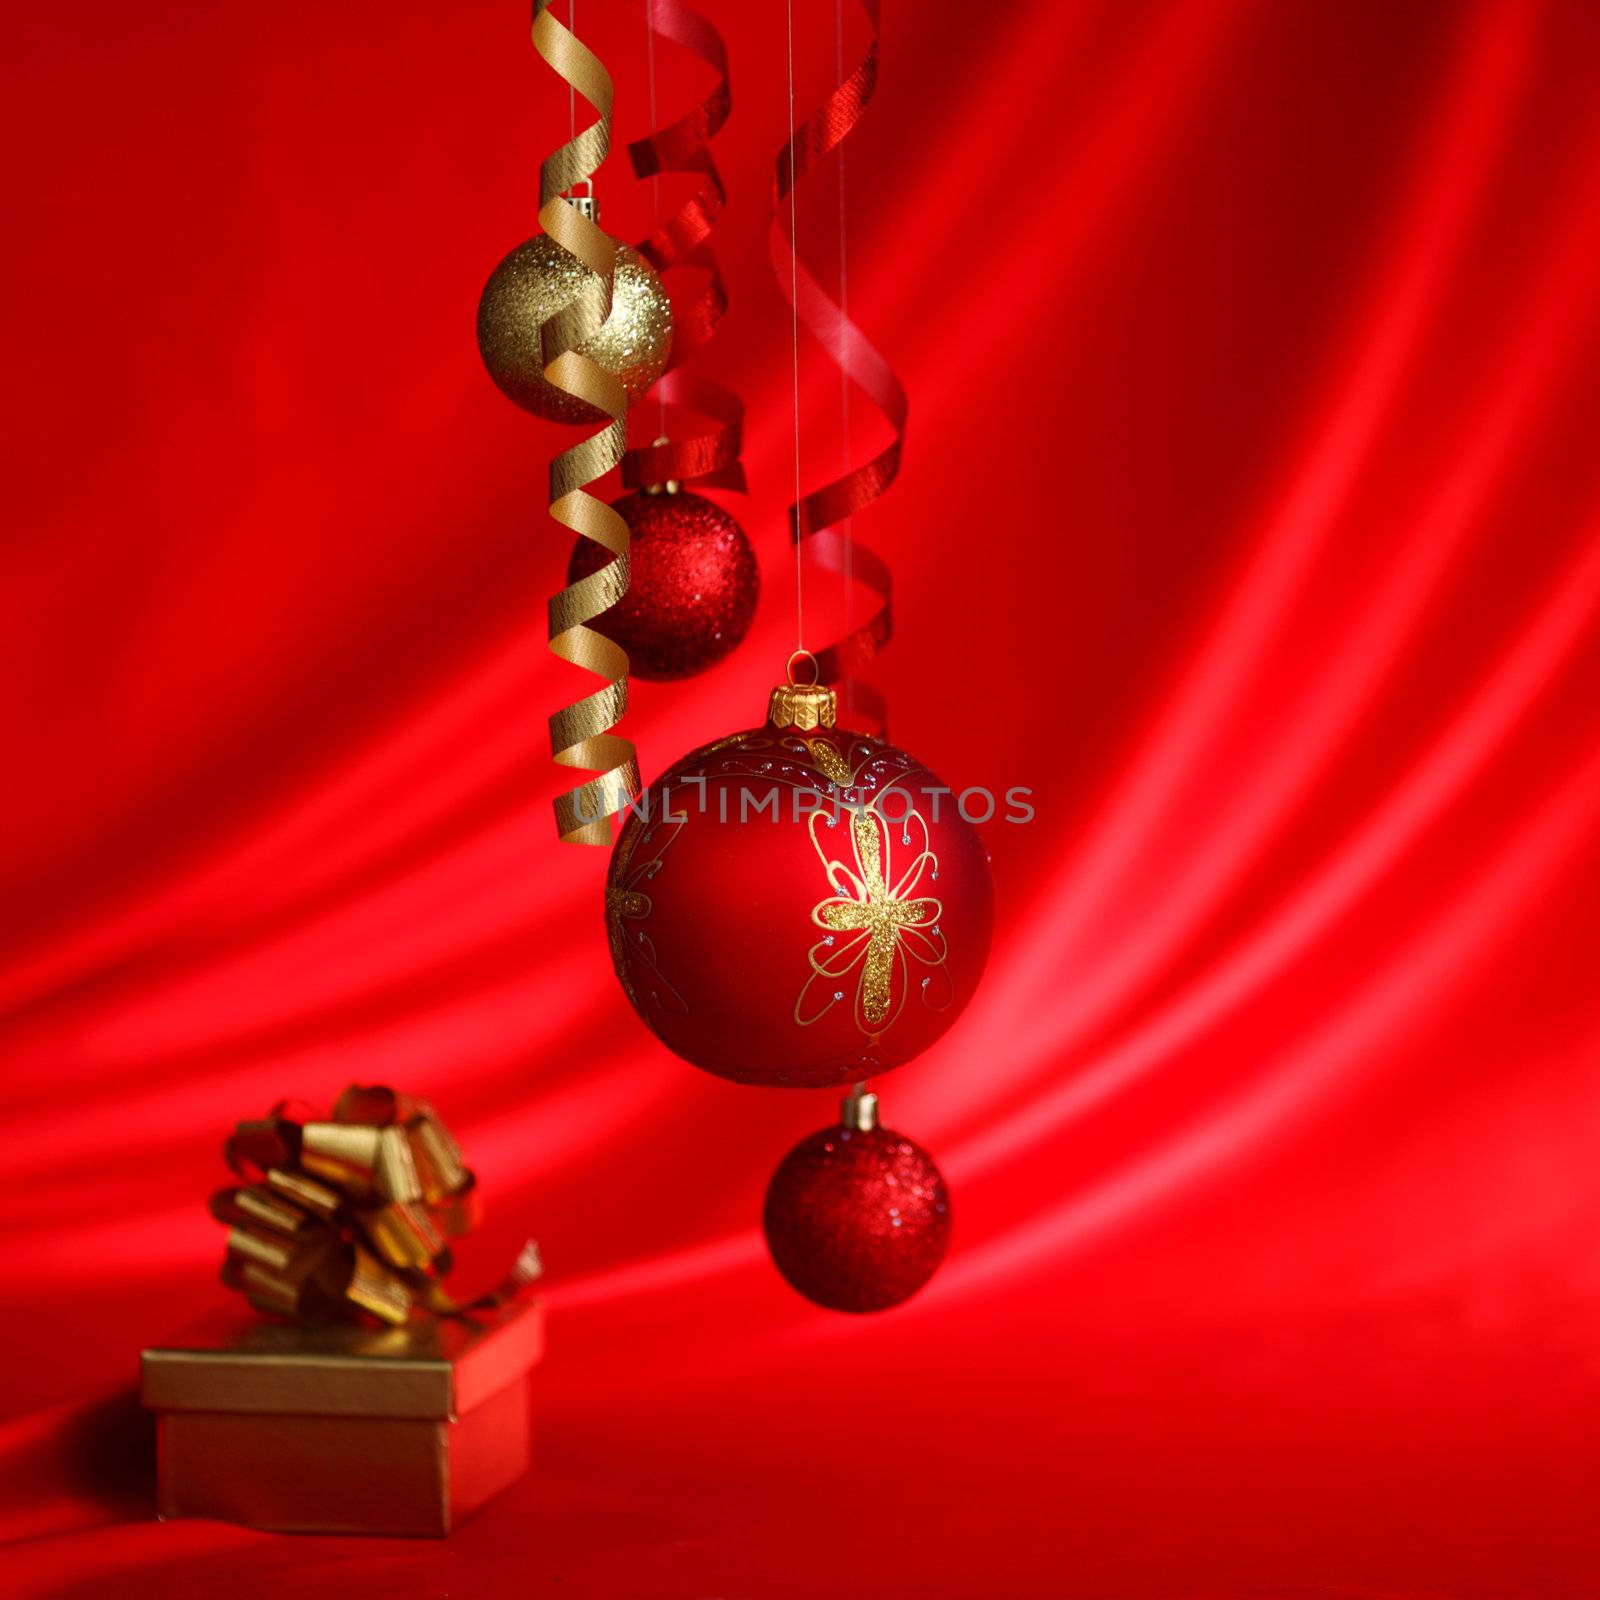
(1249,515)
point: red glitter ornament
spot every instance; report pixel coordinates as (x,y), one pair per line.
(857,1217)
(692,584)
(798,905)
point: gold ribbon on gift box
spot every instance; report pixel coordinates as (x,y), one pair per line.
(353,1214)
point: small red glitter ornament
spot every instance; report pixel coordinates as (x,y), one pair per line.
(857,1217)
(692,584)
(798,905)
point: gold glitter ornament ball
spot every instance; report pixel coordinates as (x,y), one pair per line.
(536,281)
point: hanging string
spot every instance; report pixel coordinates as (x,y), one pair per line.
(816,518)
(650,79)
(848,526)
(794,322)
(655,180)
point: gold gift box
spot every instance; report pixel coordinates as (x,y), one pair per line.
(343,1429)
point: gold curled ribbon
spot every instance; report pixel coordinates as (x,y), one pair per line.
(353,1214)
(580,734)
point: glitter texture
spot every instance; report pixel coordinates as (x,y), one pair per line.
(692,584)
(530,286)
(857,1220)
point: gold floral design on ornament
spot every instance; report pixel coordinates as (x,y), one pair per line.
(874,921)
(628,906)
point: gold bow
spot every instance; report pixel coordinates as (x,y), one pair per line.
(352,1214)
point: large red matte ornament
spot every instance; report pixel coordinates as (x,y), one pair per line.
(857,1217)
(797,905)
(692,584)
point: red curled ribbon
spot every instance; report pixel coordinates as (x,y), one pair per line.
(816,517)
(710,457)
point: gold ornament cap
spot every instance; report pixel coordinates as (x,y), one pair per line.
(667,485)
(802,705)
(584,204)
(858,1110)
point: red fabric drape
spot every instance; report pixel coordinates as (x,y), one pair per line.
(1249,515)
